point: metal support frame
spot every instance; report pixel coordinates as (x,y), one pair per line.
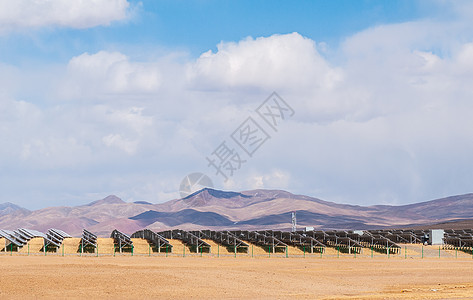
(153,238)
(224,238)
(261,238)
(121,239)
(88,239)
(187,238)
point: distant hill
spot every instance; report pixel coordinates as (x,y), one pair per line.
(8,208)
(251,210)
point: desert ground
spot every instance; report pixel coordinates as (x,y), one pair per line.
(211,277)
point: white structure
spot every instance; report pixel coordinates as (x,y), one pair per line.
(436,236)
(294,222)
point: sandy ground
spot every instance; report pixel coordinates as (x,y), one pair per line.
(227,277)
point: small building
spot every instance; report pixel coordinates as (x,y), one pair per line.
(436,236)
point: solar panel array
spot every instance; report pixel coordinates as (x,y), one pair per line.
(296,239)
(387,240)
(225,238)
(54,237)
(121,240)
(153,238)
(88,240)
(12,238)
(188,238)
(339,239)
(460,238)
(20,237)
(264,239)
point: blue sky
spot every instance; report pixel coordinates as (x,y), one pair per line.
(128,97)
(197,26)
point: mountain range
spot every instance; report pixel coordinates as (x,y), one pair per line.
(247,210)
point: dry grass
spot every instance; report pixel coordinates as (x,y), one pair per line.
(35,245)
(141,246)
(71,245)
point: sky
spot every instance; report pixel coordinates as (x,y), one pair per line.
(360,102)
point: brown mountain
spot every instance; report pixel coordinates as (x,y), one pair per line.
(108,212)
(214,209)
(272,209)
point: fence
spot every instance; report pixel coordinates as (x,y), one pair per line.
(407,251)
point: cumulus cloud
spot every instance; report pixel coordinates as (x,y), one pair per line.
(105,73)
(20,14)
(283,61)
(387,119)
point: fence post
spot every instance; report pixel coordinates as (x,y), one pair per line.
(338,251)
(388,252)
(166,250)
(235,251)
(321,251)
(269,251)
(184,251)
(422,251)
(286,253)
(405,252)
(304,251)
(371,251)
(28,249)
(251,251)
(62,249)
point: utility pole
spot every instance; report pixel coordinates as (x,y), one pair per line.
(294,222)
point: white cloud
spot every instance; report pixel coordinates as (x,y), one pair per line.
(386,120)
(103,73)
(275,179)
(275,62)
(120,142)
(20,14)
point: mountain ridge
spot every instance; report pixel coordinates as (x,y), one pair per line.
(246,210)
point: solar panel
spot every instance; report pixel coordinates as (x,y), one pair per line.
(193,241)
(152,237)
(298,240)
(88,240)
(31,233)
(224,238)
(11,238)
(121,239)
(459,238)
(261,238)
(55,237)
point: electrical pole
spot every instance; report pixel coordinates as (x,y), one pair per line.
(294,222)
